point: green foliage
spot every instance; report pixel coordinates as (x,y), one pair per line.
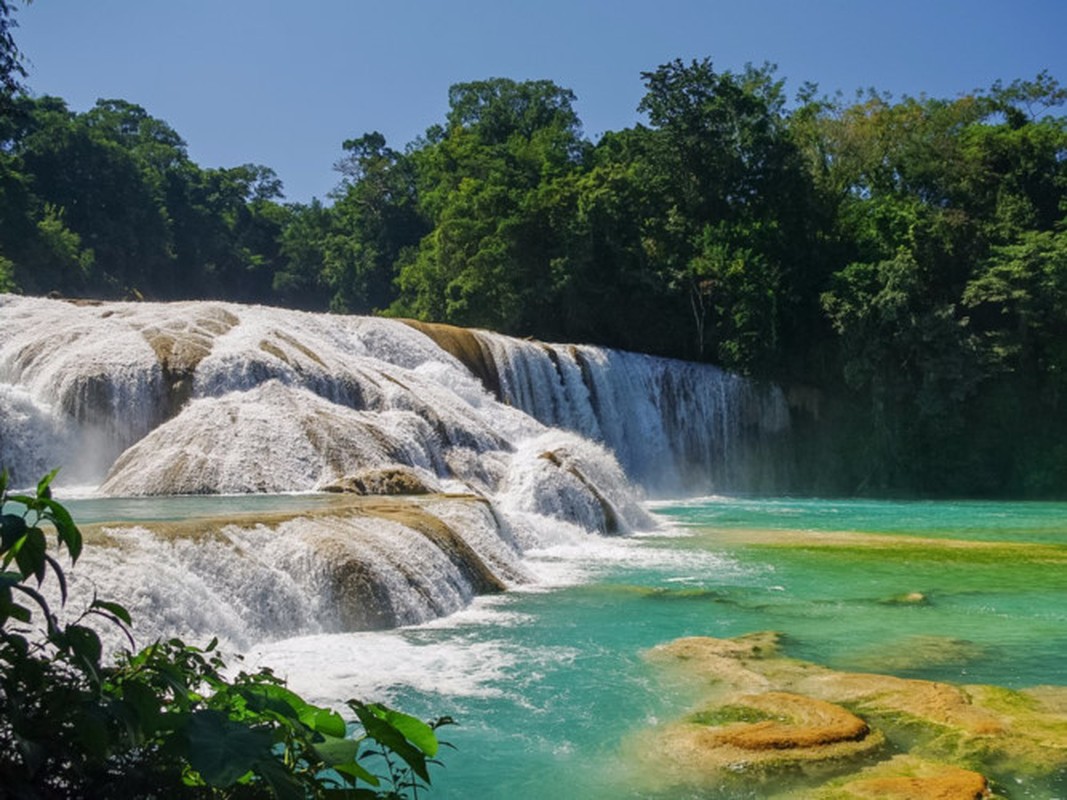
(948,307)
(736,238)
(730,714)
(108,202)
(12,70)
(902,255)
(491,186)
(165,721)
(7,275)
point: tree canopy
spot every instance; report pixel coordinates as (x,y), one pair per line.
(903,256)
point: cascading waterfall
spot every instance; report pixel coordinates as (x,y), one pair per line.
(533,443)
(675,426)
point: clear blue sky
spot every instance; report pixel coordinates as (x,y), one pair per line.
(283,83)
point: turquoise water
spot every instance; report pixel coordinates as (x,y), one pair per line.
(88,510)
(549,685)
(975,520)
(570,686)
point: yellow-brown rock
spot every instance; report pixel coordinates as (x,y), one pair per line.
(955,784)
(764,713)
(905,777)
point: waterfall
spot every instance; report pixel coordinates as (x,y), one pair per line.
(675,426)
(536,442)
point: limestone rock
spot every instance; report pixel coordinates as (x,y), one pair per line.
(383,481)
(767,732)
(905,777)
(765,712)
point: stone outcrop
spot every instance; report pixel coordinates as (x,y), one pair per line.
(466,347)
(847,735)
(905,778)
(385,481)
(760,732)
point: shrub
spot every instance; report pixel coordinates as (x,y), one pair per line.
(164,721)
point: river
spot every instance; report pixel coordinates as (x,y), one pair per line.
(550,687)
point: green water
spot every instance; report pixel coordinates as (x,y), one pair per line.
(573,686)
(171,509)
(549,685)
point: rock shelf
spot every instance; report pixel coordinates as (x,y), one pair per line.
(834,735)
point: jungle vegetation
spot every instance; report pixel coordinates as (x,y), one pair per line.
(899,262)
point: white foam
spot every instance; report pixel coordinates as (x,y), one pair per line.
(330,669)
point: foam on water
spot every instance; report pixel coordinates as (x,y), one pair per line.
(450,656)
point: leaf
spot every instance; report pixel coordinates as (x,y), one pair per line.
(223,751)
(40,601)
(281,781)
(10,579)
(277,699)
(66,530)
(30,554)
(339,752)
(44,490)
(12,610)
(326,722)
(58,570)
(12,528)
(415,731)
(355,770)
(92,732)
(113,608)
(386,734)
(143,705)
(84,643)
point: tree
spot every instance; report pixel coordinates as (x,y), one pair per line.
(612,288)
(375,219)
(11,69)
(300,280)
(484,184)
(101,190)
(944,213)
(736,232)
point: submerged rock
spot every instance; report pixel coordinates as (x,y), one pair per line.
(764,712)
(766,732)
(909,599)
(914,652)
(908,778)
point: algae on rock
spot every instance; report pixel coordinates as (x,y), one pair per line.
(846,735)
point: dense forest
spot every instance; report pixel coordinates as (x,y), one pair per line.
(898,265)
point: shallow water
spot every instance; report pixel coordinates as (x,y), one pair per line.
(86,510)
(546,685)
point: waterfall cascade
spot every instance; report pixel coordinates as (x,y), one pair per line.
(675,426)
(532,441)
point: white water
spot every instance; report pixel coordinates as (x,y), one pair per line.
(213,398)
(674,426)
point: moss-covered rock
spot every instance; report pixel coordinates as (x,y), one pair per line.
(384,481)
(906,777)
(763,711)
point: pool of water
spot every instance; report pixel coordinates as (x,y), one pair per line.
(87,510)
(548,684)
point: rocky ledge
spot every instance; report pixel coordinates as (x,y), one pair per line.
(800,730)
